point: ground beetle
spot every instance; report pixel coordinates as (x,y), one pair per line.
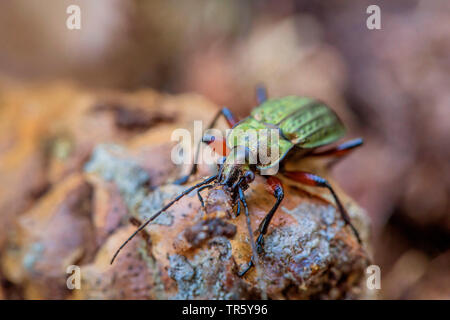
(304,124)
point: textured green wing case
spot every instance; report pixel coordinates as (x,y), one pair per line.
(305,122)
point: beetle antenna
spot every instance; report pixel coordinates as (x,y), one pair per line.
(167,206)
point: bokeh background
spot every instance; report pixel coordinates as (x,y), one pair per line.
(391,86)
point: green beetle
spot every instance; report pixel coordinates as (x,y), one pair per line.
(303,124)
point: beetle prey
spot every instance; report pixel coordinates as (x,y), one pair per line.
(304,124)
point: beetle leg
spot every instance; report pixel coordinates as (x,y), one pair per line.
(316,181)
(339,151)
(250,234)
(231,120)
(218,145)
(247,268)
(238,211)
(275,188)
(261,93)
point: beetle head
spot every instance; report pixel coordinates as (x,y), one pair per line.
(236,169)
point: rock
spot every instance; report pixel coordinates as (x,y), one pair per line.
(110,176)
(56,233)
(309,253)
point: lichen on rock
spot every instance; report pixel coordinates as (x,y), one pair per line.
(194,276)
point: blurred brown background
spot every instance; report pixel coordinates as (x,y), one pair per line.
(391,86)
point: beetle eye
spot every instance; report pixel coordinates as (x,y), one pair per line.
(249,176)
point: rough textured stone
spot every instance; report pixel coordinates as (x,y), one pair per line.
(102,179)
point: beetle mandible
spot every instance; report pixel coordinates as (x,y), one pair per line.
(304,125)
